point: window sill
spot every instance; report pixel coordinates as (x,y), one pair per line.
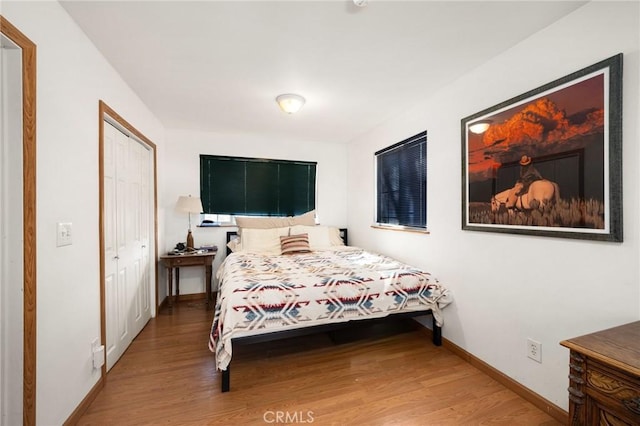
(401,228)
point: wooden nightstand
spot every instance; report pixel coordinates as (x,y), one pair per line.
(604,377)
(175,262)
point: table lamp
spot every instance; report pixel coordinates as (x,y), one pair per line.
(189,205)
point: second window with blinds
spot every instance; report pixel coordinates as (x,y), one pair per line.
(401,184)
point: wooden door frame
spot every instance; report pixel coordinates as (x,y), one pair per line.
(29,216)
(105,110)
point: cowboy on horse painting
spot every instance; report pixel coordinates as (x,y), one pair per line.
(531,190)
(528,174)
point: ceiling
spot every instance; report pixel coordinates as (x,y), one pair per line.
(217,66)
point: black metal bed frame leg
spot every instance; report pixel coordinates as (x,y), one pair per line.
(437,332)
(226,379)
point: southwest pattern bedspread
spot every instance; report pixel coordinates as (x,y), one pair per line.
(265,293)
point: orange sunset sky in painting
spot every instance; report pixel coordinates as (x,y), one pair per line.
(551,123)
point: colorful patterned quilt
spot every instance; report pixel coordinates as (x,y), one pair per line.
(266,293)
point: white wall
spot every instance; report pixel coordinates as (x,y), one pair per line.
(182,177)
(71,77)
(507,287)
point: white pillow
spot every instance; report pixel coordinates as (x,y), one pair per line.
(234,244)
(264,222)
(319,237)
(334,236)
(263,240)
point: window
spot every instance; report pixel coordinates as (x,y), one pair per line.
(207,219)
(256,187)
(401,184)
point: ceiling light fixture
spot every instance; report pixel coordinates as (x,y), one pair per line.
(290,103)
(480,126)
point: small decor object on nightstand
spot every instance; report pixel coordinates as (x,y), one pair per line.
(208,247)
(189,205)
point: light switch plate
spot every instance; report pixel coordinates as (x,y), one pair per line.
(63,235)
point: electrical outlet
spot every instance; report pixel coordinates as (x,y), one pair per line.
(94,346)
(97,353)
(534,350)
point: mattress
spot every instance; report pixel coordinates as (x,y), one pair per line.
(264,293)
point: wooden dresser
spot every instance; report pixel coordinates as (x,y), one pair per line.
(604,377)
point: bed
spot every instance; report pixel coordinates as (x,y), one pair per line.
(322,284)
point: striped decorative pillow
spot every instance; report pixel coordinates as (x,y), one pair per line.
(295,244)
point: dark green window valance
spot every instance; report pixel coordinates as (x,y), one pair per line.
(259,187)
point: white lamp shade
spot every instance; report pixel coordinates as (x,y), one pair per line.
(189,204)
(290,103)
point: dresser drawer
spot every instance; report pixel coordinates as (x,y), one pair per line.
(178,261)
(622,393)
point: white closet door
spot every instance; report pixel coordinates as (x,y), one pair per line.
(116,272)
(126,222)
(138,215)
(146,224)
(110,242)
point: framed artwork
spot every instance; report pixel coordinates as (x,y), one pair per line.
(549,162)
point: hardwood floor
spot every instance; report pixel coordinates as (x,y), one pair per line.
(167,376)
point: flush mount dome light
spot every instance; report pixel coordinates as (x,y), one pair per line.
(290,103)
(480,126)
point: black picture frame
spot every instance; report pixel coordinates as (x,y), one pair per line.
(570,132)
